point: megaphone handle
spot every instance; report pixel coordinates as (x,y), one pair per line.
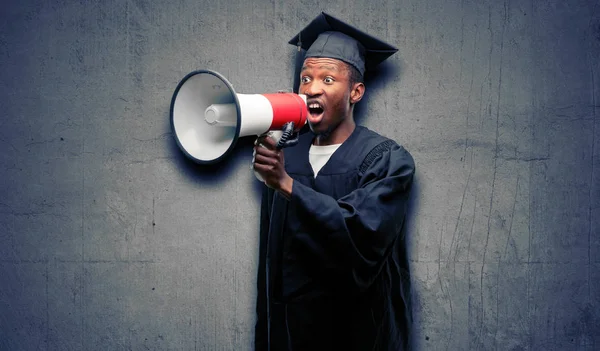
(284,141)
(289,137)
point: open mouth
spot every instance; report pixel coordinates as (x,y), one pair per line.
(315,112)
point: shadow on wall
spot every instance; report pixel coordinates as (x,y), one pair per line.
(375,79)
(210,175)
(411,212)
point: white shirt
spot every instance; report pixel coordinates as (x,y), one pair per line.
(319,155)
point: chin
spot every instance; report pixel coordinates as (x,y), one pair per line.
(315,128)
(320,130)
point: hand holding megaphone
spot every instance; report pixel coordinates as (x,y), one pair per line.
(281,138)
(208,116)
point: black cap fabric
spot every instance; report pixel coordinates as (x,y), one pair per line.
(327,36)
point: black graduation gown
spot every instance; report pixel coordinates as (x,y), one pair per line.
(333,273)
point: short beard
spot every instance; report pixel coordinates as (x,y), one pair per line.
(323,135)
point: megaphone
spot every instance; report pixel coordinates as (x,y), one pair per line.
(208,116)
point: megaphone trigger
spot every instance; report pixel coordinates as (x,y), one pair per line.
(289,137)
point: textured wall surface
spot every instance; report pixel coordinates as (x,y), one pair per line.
(110,239)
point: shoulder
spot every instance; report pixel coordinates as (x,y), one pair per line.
(368,138)
(378,148)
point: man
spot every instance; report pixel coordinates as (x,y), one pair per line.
(333,274)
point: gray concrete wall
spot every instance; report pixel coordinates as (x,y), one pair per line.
(111,240)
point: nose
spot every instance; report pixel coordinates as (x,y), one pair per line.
(312,88)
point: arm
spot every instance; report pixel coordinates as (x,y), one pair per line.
(351,237)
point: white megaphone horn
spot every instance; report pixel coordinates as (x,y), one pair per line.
(207,116)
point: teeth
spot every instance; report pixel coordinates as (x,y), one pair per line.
(314,106)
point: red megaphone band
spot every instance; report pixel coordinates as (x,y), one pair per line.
(287,107)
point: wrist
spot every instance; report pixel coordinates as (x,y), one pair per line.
(285,187)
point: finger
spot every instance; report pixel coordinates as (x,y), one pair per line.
(267,161)
(267,141)
(260,141)
(262,169)
(266,152)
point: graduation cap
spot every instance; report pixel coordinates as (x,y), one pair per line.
(327,36)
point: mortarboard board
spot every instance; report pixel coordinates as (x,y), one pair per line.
(327,36)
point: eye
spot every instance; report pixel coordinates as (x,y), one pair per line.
(328,80)
(305,79)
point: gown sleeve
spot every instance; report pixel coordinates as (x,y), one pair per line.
(349,238)
(260,332)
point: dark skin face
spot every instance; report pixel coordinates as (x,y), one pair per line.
(330,98)
(326,84)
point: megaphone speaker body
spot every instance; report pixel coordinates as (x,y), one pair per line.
(208,116)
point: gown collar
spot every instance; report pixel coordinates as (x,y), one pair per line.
(297,162)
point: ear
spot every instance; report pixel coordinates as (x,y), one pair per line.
(357,92)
